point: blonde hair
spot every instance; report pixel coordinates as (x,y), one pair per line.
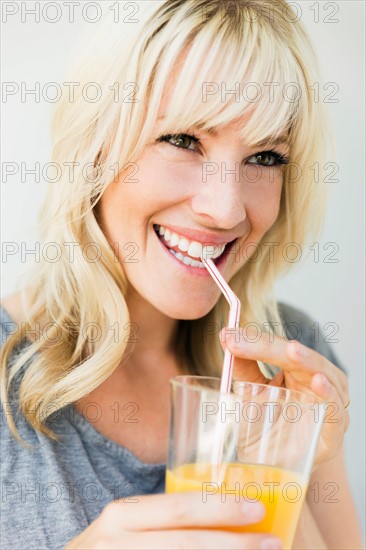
(246,41)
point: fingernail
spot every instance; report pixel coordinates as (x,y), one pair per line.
(302,350)
(326,385)
(253,510)
(229,337)
(230,340)
(271,544)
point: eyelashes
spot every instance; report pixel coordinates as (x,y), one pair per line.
(168,137)
(278,159)
(262,158)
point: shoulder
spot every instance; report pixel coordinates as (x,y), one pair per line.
(7,323)
(11,307)
(298,325)
(11,315)
(8,326)
(9,407)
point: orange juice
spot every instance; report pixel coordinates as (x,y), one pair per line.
(281,491)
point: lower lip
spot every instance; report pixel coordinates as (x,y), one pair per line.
(199,271)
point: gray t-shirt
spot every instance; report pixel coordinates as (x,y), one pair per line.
(53,492)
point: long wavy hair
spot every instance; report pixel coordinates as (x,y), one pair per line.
(256,45)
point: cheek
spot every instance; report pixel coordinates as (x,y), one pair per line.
(151,182)
(149,185)
(263,203)
(166,178)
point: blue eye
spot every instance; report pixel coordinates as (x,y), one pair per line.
(268,158)
(182,141)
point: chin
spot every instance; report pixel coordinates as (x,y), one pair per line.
(187,312)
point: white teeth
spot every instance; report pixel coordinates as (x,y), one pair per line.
(186,260)
(212,251)
(174,239)
(195,250)
(183,245)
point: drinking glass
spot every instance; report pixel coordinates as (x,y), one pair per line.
(268,438)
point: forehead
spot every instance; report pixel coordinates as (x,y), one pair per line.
(184,103)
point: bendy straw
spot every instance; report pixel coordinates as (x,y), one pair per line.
(234,315)
(227,370)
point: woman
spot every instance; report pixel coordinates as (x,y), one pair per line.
(202,130)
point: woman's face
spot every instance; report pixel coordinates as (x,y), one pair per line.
(182,194)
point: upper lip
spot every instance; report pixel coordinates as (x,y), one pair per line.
(202,237)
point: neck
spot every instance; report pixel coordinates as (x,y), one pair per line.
(156,331)
(154,334)
(149,362)
(140,383)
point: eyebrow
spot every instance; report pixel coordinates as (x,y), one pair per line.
(274,141)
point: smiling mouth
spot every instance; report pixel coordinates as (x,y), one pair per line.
(189,252)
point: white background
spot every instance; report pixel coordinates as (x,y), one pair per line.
(329,292)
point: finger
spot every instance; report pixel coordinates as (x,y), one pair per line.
(244,369)
(278,380)
(321,386)
(202,539)
(314,363)
(290,356)
(190,509)
(336,419)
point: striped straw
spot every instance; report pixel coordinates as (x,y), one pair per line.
(227,370)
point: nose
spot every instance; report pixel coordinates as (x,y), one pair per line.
(218,198)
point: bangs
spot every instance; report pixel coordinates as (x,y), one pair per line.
(230,72)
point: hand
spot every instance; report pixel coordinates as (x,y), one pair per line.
(160,521)
(303,369)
